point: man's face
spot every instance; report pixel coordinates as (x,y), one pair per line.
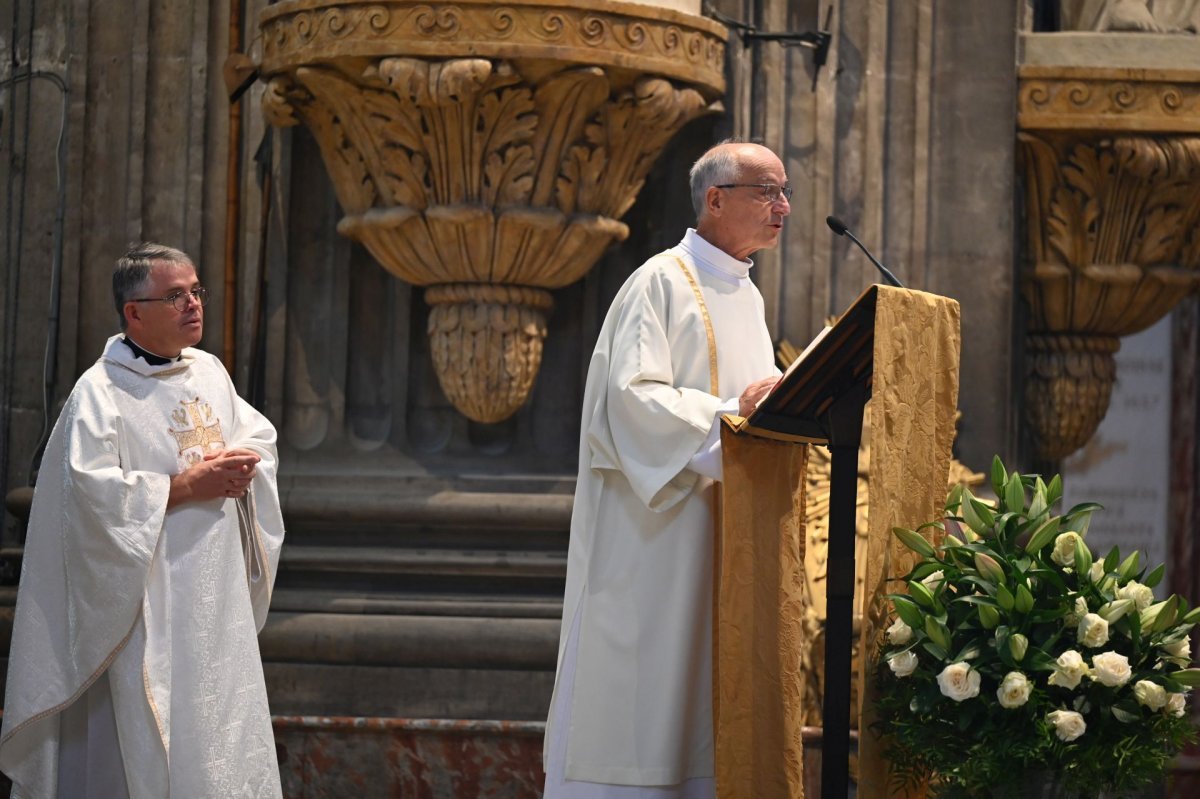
(159,326)
(754,220)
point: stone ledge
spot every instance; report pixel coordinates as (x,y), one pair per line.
(387,640)
(1174,52)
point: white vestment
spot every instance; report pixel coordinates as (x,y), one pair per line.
(639,570)
(165,605)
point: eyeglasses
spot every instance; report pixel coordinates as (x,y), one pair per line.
(771,192)
(181,299)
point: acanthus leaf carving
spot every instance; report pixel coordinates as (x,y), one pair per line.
(487,146)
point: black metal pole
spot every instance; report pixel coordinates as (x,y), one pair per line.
(845,433)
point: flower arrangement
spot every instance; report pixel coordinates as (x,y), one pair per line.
(1016,650)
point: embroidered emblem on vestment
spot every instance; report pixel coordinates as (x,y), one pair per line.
(205,433)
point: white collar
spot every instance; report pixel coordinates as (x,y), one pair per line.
(714,260)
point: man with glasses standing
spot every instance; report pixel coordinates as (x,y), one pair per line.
(684,343)
(149,561)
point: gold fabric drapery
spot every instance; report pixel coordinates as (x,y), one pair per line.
(758,605)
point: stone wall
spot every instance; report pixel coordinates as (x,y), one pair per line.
(409,526)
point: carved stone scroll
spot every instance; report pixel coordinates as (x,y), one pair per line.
(487,150)
(1111,160)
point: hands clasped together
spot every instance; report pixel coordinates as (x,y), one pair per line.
(224,473)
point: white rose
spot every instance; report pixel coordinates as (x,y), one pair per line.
(1092,631)
(934,580)
(903,664)
(1141,595)
(1064,549)
(1150,694)
(959,681)
(1070,669)
(1176,704)
(1014,690)
(1068,725)
(899,633)
(1180,650)
(1111,669)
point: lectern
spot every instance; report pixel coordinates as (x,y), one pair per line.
(902,347)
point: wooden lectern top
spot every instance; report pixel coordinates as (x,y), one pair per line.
(838,363)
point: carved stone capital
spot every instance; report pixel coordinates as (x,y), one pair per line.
(1108,99)
(478,143)
(1111,161)
(596,32)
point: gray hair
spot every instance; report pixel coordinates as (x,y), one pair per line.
(718,165)
(132,271)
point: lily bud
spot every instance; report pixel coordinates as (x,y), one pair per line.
(1017,644)
(1112,611)
(989,617)
(1024,599)
(988,567)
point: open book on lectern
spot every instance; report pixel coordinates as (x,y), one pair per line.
(837,362)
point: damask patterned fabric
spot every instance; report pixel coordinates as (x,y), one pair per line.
(166,603)
(760,606)
(757,710)
(913,403)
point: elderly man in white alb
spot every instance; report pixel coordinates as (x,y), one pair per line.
(631,714)
(152,545)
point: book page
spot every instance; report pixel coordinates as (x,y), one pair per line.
(799,359)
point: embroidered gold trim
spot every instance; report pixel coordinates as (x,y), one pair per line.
(714,384)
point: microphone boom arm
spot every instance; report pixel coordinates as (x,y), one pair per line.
(887,273)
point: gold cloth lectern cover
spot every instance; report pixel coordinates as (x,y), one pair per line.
(759,565)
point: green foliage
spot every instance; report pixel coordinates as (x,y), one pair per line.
(1051,658)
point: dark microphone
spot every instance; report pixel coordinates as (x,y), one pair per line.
(839,227)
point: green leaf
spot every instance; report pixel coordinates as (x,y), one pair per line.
(1045,533)
(1014,494)
(1155,577)
(1124,715)
(1166,617)
(984,511)
(935,650)
(1005,597)
(1129,566)
(1084,507)
(1112,559)
(914,541)
(924,569)
(999,475)
(1189,677)
(908,611)
(1024,600)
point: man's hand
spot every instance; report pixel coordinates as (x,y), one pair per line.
(224,473)
(753,393)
